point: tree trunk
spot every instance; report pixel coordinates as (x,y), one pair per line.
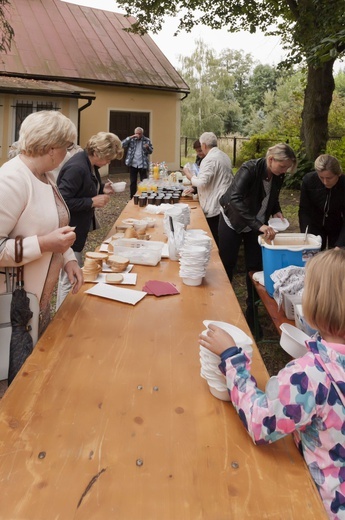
(317,100)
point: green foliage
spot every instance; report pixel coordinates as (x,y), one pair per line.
(293,181)
(213,80)
(258,145)
(336,147)
(301,26)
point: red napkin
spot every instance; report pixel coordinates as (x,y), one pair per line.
(158,288)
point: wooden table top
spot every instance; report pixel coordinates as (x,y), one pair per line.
(110,419)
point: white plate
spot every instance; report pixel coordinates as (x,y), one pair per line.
(241,339)
(278,224)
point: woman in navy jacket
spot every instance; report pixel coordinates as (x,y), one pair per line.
(80,185)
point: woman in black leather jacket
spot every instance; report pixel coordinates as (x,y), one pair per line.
(253,197)
(322,202)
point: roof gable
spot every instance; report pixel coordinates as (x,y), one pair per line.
(62,41)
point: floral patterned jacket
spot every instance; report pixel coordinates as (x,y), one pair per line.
(301,400)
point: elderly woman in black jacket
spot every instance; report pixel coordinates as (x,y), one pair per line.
(80,185)
(251,200)
(322,202)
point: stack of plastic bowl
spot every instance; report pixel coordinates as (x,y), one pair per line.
(210,362)
(199,239)
(193,264)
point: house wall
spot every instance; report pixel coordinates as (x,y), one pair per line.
(163,107)
(69,107)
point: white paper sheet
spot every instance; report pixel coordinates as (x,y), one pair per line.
(116,293)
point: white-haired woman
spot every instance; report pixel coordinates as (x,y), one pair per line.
(80,185)
(252,198)
(31,206)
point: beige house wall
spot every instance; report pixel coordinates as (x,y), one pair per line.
(163,107)
(69,107)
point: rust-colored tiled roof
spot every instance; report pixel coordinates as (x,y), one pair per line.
(18,85)
(67,42)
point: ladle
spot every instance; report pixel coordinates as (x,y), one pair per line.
(306,236)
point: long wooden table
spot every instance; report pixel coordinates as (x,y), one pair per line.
(110,419)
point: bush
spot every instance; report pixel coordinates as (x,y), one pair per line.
(293,181)
(258,145)
(337,149)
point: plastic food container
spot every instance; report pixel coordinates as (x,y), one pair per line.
(301,323)
(142,252)
(293,340)
(287,249)
(289,303)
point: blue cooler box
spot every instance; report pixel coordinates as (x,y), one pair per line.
(287,249)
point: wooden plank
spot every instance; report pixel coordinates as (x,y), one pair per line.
(110,384)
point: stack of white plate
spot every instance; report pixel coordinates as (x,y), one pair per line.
(185,211)
(210,371)
(193,264)
(210,361)
(175,215)
(199,240)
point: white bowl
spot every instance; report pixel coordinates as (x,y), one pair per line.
(278,224)
(118,186)
(140,225)
(223,395)
(151,222)
(293,340)
(241,339)
(192,281)
(196,232)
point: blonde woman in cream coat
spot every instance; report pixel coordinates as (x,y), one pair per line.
(31,206)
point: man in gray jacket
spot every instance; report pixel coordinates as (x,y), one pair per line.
(214,178)
(139,148)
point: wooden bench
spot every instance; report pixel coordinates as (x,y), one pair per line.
(260,295)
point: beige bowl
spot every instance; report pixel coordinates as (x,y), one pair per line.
(117,263)
(89,275)
(113,278)
(96,256)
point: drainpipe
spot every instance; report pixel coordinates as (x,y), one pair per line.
(89,102)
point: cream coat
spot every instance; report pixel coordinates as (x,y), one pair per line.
(27,208)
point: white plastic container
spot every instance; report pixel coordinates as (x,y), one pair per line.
(287,249)
(293,340)
(289,302)
(142,252)
(301,323)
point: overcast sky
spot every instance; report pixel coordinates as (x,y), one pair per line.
(263,49)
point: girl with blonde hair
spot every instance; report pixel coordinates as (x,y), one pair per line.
(307,397)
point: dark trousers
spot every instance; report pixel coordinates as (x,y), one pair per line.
(133,178)
(229,245)
(213,223)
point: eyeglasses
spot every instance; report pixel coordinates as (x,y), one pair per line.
(70,147)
